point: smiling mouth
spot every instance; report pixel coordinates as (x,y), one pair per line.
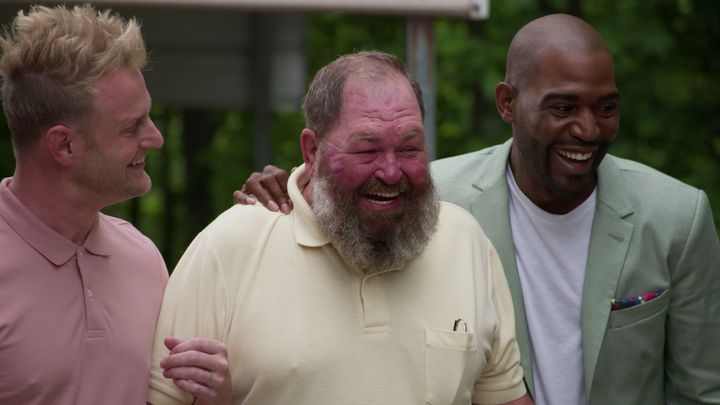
(577,156)
(137,162)
(383,198)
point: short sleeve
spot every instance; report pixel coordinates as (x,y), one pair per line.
(502,379)
(195,304)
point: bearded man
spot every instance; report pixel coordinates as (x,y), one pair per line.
(370,291)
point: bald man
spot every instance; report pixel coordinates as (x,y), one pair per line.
(614,268)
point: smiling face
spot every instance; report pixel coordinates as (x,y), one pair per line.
(371,188)
(376,152)
(565,116)
(118,135)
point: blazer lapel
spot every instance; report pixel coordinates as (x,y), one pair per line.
(609,243)
(491,209)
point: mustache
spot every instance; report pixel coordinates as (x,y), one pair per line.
(375,185)
(580,143)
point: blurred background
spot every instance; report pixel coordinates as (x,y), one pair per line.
(227,85)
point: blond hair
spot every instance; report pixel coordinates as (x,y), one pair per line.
(52,58)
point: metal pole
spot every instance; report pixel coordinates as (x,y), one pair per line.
(421,63)
(262,65)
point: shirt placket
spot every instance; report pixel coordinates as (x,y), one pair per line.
(95,320)
(374,305)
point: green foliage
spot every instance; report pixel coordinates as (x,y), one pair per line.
(286,132)
(331,35)
(231,156)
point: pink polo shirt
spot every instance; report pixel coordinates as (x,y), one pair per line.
(76,322)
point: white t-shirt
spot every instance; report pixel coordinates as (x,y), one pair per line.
(551,253)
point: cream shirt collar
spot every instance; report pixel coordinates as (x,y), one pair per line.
(307,232)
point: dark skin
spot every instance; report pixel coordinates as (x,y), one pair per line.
(559,96)
(269,187)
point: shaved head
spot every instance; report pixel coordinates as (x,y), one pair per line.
(561,99)
(555,32)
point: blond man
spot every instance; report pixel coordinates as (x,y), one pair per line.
(79,290)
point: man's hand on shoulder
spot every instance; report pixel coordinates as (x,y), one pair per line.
(268,188)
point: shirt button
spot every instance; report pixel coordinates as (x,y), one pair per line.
(80,254)
(89,292)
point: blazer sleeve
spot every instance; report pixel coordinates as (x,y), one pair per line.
(692,363)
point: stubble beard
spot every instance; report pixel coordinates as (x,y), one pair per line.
(539,165)
(97,177)
(405,235)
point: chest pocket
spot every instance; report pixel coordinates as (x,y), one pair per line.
(451,364)
(645,311)
(635,335)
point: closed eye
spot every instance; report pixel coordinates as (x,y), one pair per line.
(561,110)
(135,127)
(608,110)
(410,151)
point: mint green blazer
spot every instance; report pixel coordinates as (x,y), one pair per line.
(650,232)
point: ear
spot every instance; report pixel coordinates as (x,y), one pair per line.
(505,102)
(63,144)
(309,146)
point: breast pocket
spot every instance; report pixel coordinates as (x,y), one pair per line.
(632,355)
(638,313)
(451,364)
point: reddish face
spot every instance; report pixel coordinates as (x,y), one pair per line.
(376,152)
(564,119)
(120,133)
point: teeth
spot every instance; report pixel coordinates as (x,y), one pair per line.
(387,194)
(574,155)
(378,202)
(387,197)
(137,162)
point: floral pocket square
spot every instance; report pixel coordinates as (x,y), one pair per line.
(622,303)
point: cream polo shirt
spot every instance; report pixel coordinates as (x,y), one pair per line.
(76,322)
(304,328)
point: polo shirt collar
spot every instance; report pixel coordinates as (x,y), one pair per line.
(54,247)
(307,232)
(99,239)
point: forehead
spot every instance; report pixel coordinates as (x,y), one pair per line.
(371,104)
(574,73)
(122,95)
(373,91)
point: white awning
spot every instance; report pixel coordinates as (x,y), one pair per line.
(472,9)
